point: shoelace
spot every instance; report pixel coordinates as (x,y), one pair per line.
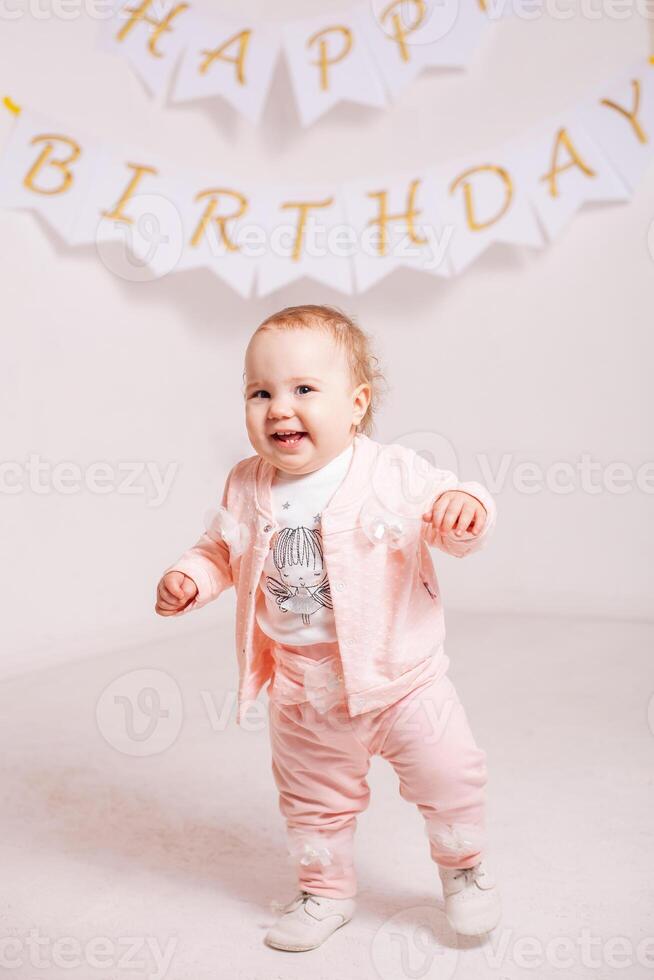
(470,874)
(303,897)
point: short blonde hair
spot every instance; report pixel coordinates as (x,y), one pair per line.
(349,336)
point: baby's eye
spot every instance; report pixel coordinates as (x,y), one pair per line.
(262,391)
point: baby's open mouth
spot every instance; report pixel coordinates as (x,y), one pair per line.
(290,438)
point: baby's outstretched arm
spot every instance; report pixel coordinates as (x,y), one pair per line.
(198,576)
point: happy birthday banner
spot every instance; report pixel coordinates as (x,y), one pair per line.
(367,54)
(348,236)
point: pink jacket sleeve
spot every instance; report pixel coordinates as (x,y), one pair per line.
(207,563)
(467,543)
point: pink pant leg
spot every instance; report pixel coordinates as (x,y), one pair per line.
(320,770)
(441,769)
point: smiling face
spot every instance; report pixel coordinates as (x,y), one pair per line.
(298,379)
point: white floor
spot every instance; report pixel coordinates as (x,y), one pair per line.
(117,865)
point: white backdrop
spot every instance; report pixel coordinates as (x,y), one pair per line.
(541,358)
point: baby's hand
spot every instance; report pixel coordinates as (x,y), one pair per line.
(174,592)
(455,507)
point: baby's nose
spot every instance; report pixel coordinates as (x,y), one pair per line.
(279,409)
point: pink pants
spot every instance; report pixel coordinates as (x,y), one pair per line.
(321,756)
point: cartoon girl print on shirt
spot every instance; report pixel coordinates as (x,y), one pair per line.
(304,586)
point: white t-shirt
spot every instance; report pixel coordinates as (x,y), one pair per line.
(293,597)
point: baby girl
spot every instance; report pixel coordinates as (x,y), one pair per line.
(325,535)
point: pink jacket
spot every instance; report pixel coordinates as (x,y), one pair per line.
(385,594)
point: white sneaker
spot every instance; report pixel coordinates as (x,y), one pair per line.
(308,920)
(472,902)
